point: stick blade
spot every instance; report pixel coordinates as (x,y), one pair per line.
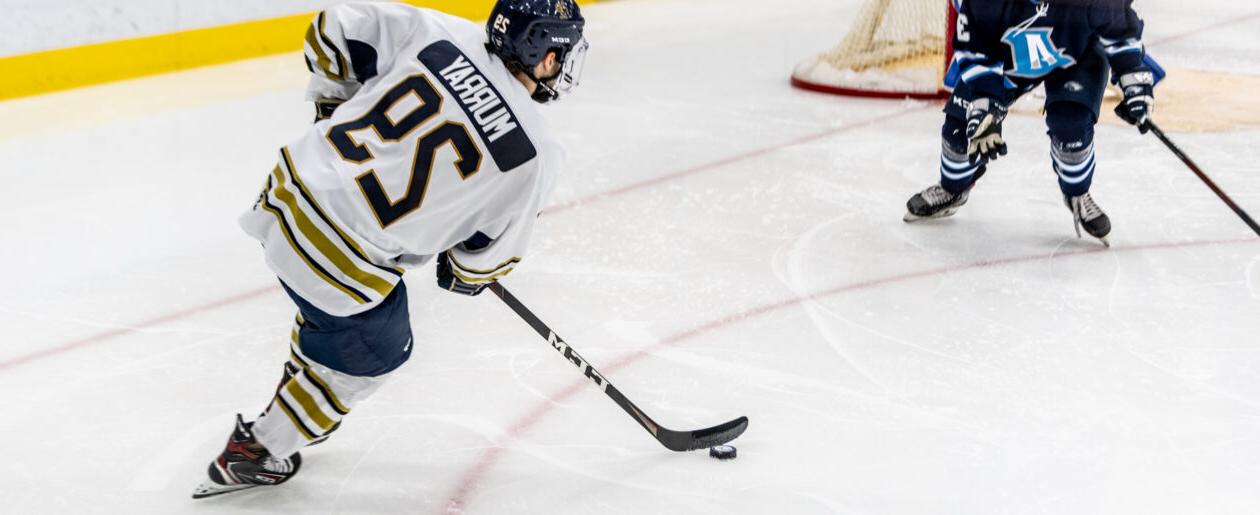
(682,441)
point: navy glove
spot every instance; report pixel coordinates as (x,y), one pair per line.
(1139,99)
(447,280)
(984,129)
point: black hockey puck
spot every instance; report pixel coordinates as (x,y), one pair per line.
(722,452)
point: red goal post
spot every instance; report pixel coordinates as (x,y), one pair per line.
(894,49)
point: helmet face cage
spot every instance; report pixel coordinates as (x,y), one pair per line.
(571,69)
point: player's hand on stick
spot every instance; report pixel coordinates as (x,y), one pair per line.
(447,280)
(1139,99)
(984,129)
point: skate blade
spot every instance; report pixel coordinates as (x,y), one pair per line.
(1101,239)
(911,217)
(212,489)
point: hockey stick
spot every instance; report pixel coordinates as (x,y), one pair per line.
(672,440)
(1197,171)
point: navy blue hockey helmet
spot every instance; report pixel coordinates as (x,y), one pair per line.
(522,32)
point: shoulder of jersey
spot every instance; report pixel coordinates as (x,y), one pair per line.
(469,39)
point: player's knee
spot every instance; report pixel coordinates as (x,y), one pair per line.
(954,133)
(954,141)
(1071,127)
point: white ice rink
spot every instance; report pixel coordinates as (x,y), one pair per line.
(721,245)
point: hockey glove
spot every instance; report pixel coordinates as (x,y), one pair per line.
(324,107)
(447,280)
(1139,99)
(984,129)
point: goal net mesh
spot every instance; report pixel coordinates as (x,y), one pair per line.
(892,47)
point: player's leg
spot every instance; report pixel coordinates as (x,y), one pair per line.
(335,363)
(339,361)
(958,173)
(1073,100)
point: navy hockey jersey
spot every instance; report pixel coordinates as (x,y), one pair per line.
(1003,48)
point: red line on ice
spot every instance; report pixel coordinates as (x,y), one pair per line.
(104,336)
(134,328)
(148,324)
(733,159)
(468,482)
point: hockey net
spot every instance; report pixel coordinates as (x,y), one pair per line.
(894,49)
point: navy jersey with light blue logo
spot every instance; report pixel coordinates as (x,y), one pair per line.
(1003,48)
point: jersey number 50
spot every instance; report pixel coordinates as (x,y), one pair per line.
(392,131)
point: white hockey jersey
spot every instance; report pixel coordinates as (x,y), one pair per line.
(436,143)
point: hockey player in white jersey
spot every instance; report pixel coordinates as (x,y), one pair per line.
(428,144)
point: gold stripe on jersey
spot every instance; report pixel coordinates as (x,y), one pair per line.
(475,276)
(310,199)
(344,71)
(325,245)
(306,433)
(313,41)
(288,235)
(308,404)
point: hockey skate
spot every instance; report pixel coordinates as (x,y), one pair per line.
(934,202)
(246,464)
(1086,214)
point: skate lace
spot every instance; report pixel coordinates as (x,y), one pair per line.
(1088,210)
(936,195)
(271,464)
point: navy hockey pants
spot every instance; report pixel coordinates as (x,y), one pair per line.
(372,343)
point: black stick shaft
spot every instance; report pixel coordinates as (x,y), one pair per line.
(585,366)
(1206,180)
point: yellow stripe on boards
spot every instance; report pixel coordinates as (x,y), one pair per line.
(308,404)
(55,70)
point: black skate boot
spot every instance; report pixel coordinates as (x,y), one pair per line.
(934,202)
(1088,215)
(246,464)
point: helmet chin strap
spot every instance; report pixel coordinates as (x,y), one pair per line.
(543,93)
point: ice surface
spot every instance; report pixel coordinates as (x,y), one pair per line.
(721,245)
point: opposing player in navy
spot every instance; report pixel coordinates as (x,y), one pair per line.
(1006,48)
(428,144)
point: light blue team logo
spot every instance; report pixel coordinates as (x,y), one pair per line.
(1034,53)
